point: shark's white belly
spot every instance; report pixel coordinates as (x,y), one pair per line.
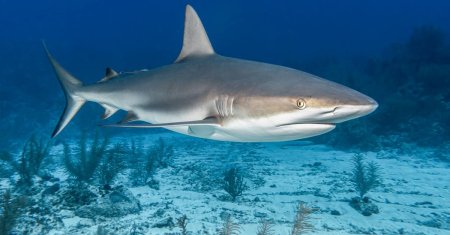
(235,129)
(243,132)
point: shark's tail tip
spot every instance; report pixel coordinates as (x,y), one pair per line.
(70,86)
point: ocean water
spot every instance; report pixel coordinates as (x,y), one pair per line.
(384,173)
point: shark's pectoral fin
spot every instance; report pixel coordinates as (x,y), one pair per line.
(195,40)
(204,122)
(203,131)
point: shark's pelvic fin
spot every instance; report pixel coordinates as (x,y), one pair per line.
(109,74)
(204,122)
(109,111)
(195,39)
(70,85)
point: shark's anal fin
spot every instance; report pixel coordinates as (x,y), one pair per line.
(205,122)
(130,117)
(195,40)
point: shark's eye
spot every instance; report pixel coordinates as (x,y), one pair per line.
(301,104)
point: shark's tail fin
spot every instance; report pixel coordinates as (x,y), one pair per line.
(70,85)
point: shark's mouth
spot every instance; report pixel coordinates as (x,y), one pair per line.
(303,130)
(310,123)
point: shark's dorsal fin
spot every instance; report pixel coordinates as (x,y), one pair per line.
(195,39)
(109,74)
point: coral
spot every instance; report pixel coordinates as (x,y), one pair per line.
(10,211)
(365,177)
(182,224)
(265,227)
(302,220)
(358,135)
(229,227)
(233,182)
(84,163)
(426,45)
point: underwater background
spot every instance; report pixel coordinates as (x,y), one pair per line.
(386,173)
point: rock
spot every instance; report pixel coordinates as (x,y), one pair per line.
(365,199)
(335,212)
(159,213)
(423,203)
(260,214)
(46,176)
(76,196)
(224,215)
(52,189)
(118,197)
(432,223)
(54,179)
(364,206)
(119,202)
(165,223)
(154,184)
(256,199)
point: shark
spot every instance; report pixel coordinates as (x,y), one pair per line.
(207,95)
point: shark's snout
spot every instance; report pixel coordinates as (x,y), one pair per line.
(347,112)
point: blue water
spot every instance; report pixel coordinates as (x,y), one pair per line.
(397,52)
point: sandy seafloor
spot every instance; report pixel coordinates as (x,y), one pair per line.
(414,198)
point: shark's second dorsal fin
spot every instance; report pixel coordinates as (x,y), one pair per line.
(195,40)
(109,74)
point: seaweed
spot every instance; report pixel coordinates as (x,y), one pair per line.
(136,163)
(365,176)
(11,209)
(160,156)
(111,165)
(182,224)
(28,165)
(265,227)
(83,163)
(233,183)
(302,219)
(229,227)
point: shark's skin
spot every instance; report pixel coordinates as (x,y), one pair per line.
(210,96)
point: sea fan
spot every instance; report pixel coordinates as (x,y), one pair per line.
(230,227)
(302,220)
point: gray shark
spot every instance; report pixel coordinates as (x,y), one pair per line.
(210,96)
